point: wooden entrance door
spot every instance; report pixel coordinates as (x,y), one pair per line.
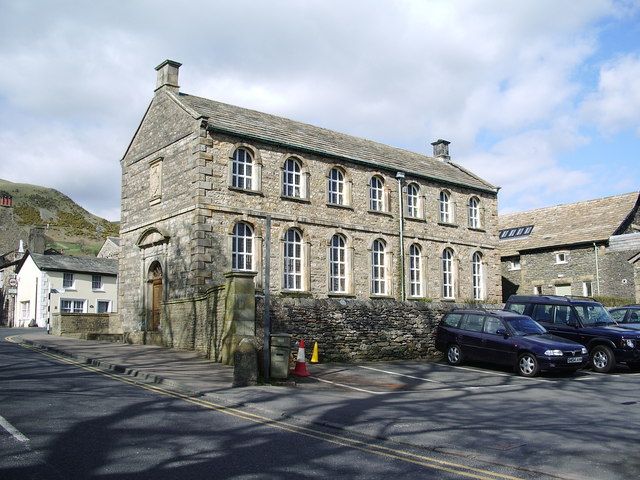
(156,300)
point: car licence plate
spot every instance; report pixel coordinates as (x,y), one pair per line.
(574,359)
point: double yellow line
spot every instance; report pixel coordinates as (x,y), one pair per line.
(396,454)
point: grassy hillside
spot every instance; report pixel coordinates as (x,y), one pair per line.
(68,226)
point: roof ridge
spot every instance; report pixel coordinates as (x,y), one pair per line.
(583,202)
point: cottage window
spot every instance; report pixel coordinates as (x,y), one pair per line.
(96,282)
(376,194)
(561,257)
(447,274)
(477,276)
(242,247)
(378,268)
(445,207)
(336,187)
(292,258)
(587,289)
(338,265)
(242,169)
(415,271)
(72,306)
(413,199)
(474,212)
(67,280)
(25,310)
(104,306)
(292,179)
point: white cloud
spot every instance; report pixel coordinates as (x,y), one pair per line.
(615,105)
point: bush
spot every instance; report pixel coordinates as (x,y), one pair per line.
(608,301)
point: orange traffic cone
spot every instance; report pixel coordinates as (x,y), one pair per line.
(301,363)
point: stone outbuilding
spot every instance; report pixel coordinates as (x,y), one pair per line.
(213,193)
(580,249)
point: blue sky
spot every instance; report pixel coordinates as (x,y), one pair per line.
(539,97)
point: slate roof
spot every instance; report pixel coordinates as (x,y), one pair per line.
(308,138)
(115,240)
(563,225)
(66,263)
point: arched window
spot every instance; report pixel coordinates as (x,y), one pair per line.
(242,169)
(413,197)
(415,271)
(336,187)
(477,276)
(292,179)
(474,212)
(445,207)
(376,194)
(447,273)
(292,260)
(242,247)
(378,268)
(337,265)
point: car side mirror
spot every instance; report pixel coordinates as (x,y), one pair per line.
(502,332)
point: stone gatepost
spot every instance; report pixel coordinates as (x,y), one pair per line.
(240,313)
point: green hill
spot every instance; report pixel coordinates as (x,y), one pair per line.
(69,228)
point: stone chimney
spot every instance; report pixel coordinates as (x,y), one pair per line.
(441,150)
(36,240)
(168,76)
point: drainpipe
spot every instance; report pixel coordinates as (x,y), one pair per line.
(595,251)
(266,317)
(400,178)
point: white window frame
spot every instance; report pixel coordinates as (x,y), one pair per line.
(448,290)
(242,251)
(474,212)
(68,281)
(76,305)
(415,270)
(537,289)
(379,283)
(25,310)
(587,288)
(376,194)
(97,280)
(108,302)
(515,265)
(292,184)
(413,200)
(338,264)
(561,258)
(336,187)
(242,169)
(477,276)
(445,212)
(292,261)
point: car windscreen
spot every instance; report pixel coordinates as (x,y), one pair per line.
(593,314)
(525,326)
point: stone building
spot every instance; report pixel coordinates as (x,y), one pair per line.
(208,187)
(580,249)
(110,248)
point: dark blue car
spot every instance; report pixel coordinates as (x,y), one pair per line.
(506,338)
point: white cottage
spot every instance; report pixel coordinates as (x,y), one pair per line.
(63,284)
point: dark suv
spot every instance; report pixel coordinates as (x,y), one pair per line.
(585,321)
(506,338)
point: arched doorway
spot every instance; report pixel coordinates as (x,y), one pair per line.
(154,281)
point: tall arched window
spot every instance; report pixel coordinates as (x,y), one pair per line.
(292,179)
(474,212)
(413,197)
(415,271)
(336,186)
(242,247)
(337,265)
(445,207)
(376,194)
(292,260)
(242,169)
(477,276)
(447,273)
(378,268)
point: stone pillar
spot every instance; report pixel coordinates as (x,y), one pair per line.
(240,313)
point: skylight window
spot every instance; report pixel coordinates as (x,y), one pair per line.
(516,232)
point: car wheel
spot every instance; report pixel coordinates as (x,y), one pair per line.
(528,365)
(602,359)
(454,355)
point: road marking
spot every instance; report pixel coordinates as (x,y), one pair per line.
(15,433)
(349,386)
(400,374)
(361,445)
(501,374)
